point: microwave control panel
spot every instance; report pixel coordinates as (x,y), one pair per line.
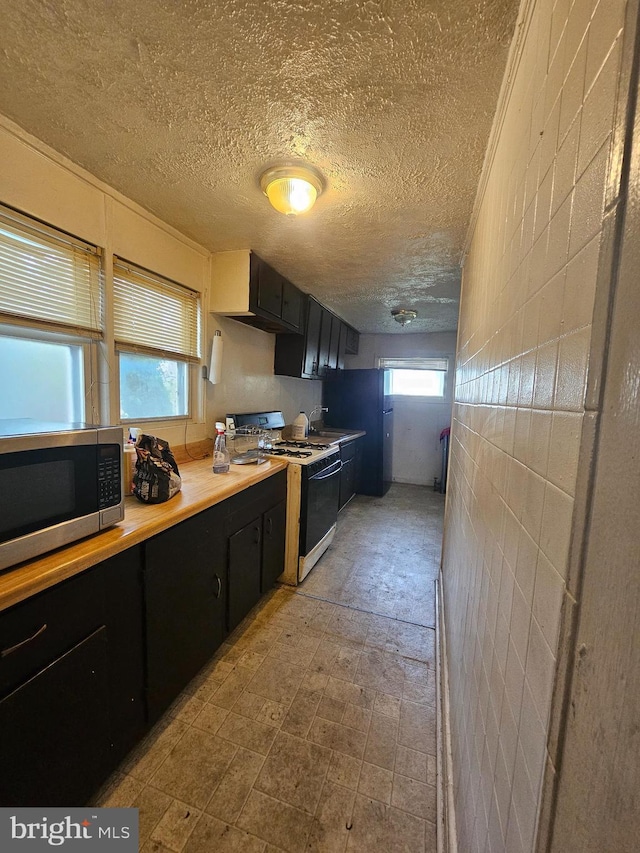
(109,480)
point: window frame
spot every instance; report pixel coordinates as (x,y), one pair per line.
(419,363)
(191,389)
(193,363)
(89,347)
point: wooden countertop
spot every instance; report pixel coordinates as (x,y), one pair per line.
(200,489)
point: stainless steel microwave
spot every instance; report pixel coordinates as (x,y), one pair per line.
(58,483)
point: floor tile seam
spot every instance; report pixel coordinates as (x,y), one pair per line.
(363,610)
(200,732)
(280,803)
(187,726)
(253,787)
(193,828)
(244,802)
(153,788)
(411,814)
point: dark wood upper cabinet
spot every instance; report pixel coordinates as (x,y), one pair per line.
(334,343)
(342,345)
(247,288)
(352,341)
(266,290)
(325,342)
(292,299)
(319,352)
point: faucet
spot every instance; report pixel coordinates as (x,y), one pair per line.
(317,410)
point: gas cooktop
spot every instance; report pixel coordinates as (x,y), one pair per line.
(296,451)
(301,452)
(302,445)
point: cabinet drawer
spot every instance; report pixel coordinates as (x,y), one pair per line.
(242,508)
(348,450)
(39,630)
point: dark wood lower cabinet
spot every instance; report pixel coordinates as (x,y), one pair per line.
(273,541)
(122,580)
(185,590)
(89,665)
(351,456)
(245,550)
(55,747)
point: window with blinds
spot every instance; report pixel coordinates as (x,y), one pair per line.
(157,335)
(153,314)
(416,377)
(414,363)
(47,278)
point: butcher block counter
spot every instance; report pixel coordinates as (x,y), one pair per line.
(200,489)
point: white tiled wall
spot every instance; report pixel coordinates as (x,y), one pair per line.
(523,346)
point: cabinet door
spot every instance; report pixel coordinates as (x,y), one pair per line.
(54,750)
(347,481)
(273,535)
(122,576)
(291,304)
(358,464)
(342,345)
(325,342)
(312,338)
(334,343)
(245,552)
(184,582)
(270,290)
(352,342)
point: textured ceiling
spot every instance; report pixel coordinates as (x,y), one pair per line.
(180,104)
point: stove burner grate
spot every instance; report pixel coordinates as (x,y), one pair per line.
(290,452)
(302,445)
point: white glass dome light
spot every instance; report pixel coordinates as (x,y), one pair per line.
(291,189)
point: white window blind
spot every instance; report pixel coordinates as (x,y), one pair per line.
(47,276)
(414,363)
(153,314)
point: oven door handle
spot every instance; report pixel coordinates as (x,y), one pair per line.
(333,471)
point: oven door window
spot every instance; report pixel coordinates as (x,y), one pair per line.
(320,507)
(40,488)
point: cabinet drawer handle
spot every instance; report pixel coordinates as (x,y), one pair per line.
(6,652)
(219,586)
(269,526)
(257,532)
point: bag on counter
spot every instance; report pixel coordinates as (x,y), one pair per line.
(156,478)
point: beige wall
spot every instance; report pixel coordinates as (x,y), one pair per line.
(248,383)
(38,181)
(523,347)
(417,423)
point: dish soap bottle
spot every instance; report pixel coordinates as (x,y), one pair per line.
(220,452)
(300,427)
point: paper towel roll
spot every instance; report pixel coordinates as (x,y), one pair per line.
(215,364)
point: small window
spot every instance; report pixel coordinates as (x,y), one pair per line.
(153,387)
(51,306)
(415,377)
(157,335)
(46,380)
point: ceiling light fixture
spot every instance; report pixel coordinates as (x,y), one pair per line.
(291,189)
(403,316)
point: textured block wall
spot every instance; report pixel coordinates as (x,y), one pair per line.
(523,348)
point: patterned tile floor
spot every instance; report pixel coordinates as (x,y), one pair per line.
(314,727)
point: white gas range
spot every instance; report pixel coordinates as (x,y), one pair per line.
(313,491)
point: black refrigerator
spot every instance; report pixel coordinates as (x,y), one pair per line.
(358,399)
